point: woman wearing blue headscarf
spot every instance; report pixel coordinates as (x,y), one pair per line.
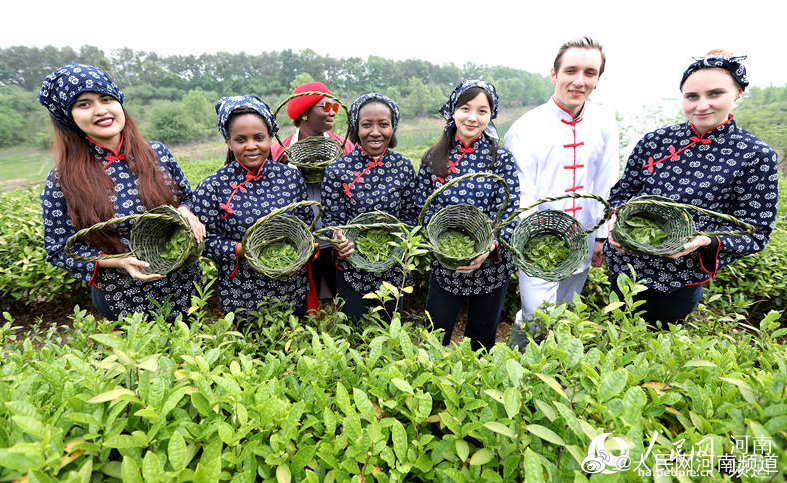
(469,145)
(249,186)
(105,169)
(372,177)
(709,162)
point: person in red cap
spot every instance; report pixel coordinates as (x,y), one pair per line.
(313,115)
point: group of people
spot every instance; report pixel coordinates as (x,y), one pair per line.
(105,169)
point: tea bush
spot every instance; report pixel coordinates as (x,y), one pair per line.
(143,400)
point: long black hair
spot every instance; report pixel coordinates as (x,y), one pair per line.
(436,157)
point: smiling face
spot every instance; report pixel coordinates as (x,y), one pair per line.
(708,98)
(576,78)
(375,127)
(100,117)
(319,118)
(249,140)
(472,117)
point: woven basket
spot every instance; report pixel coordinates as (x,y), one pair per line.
(278,226)
(148,241)
(362,223)
(673,218)
(463,218)
(312,154)
(559,224)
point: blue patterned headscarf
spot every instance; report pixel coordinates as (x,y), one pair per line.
(355,109)
(731,64)
(447,111)
(226,105)
(61,89)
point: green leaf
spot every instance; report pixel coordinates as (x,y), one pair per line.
(500,429)
(462,449)
(399,439)
(533,472)
(364,405)
(111,395)
(152,468)
(130,470)
(108,340)
(612,306)
(482,457)
(612,384)
(552,382)
(633,402)
(515,372)
(402,385)
(283,474)
(545,408)
(512,399)
(21,457)
(31,426)
(545,433)
(176,451)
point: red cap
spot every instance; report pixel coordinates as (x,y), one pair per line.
(299,105)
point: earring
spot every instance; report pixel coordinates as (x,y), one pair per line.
(305,117)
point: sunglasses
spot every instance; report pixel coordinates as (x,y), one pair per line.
(327,107)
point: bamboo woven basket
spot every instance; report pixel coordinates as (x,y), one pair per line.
(313,154)
(279,226)
(365,222)
(559,224)
(149,239)
(673,218)
(463,218)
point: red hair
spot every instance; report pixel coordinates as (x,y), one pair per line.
(86,186)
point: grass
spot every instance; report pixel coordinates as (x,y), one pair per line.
(21,165)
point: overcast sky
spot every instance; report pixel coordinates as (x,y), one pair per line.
(648,43)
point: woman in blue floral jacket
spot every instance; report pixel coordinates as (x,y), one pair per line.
(469,145)
(105,169)
(708,162)
(372,177)
(249,186)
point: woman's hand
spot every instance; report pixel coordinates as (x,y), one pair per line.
(476,263)
(694,244)
(132,265)
(196,226)
(611,237)
(345,246)
(598,254)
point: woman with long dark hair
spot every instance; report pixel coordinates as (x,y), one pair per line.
(104,168)
(469,145)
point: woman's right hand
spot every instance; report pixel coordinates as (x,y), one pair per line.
(611,239)
(133,266)
(345,246)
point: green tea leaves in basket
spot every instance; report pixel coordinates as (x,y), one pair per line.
(175,245)
(546,251)
(374,245)
(643,230)
(456,244)
(278,255)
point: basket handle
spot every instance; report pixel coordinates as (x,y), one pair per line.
(281,210)
(361,226)
(748,229)
(549,199)
(310,93)
(464,177)
(98,226)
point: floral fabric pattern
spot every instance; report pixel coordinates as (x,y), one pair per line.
(388,185)
(123,294)
(726,170)
(275,185)
(483,193)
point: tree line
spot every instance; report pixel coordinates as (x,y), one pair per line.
(172,96)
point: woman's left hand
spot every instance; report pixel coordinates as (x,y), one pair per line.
(697,242)
(196,226)
(476,263)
